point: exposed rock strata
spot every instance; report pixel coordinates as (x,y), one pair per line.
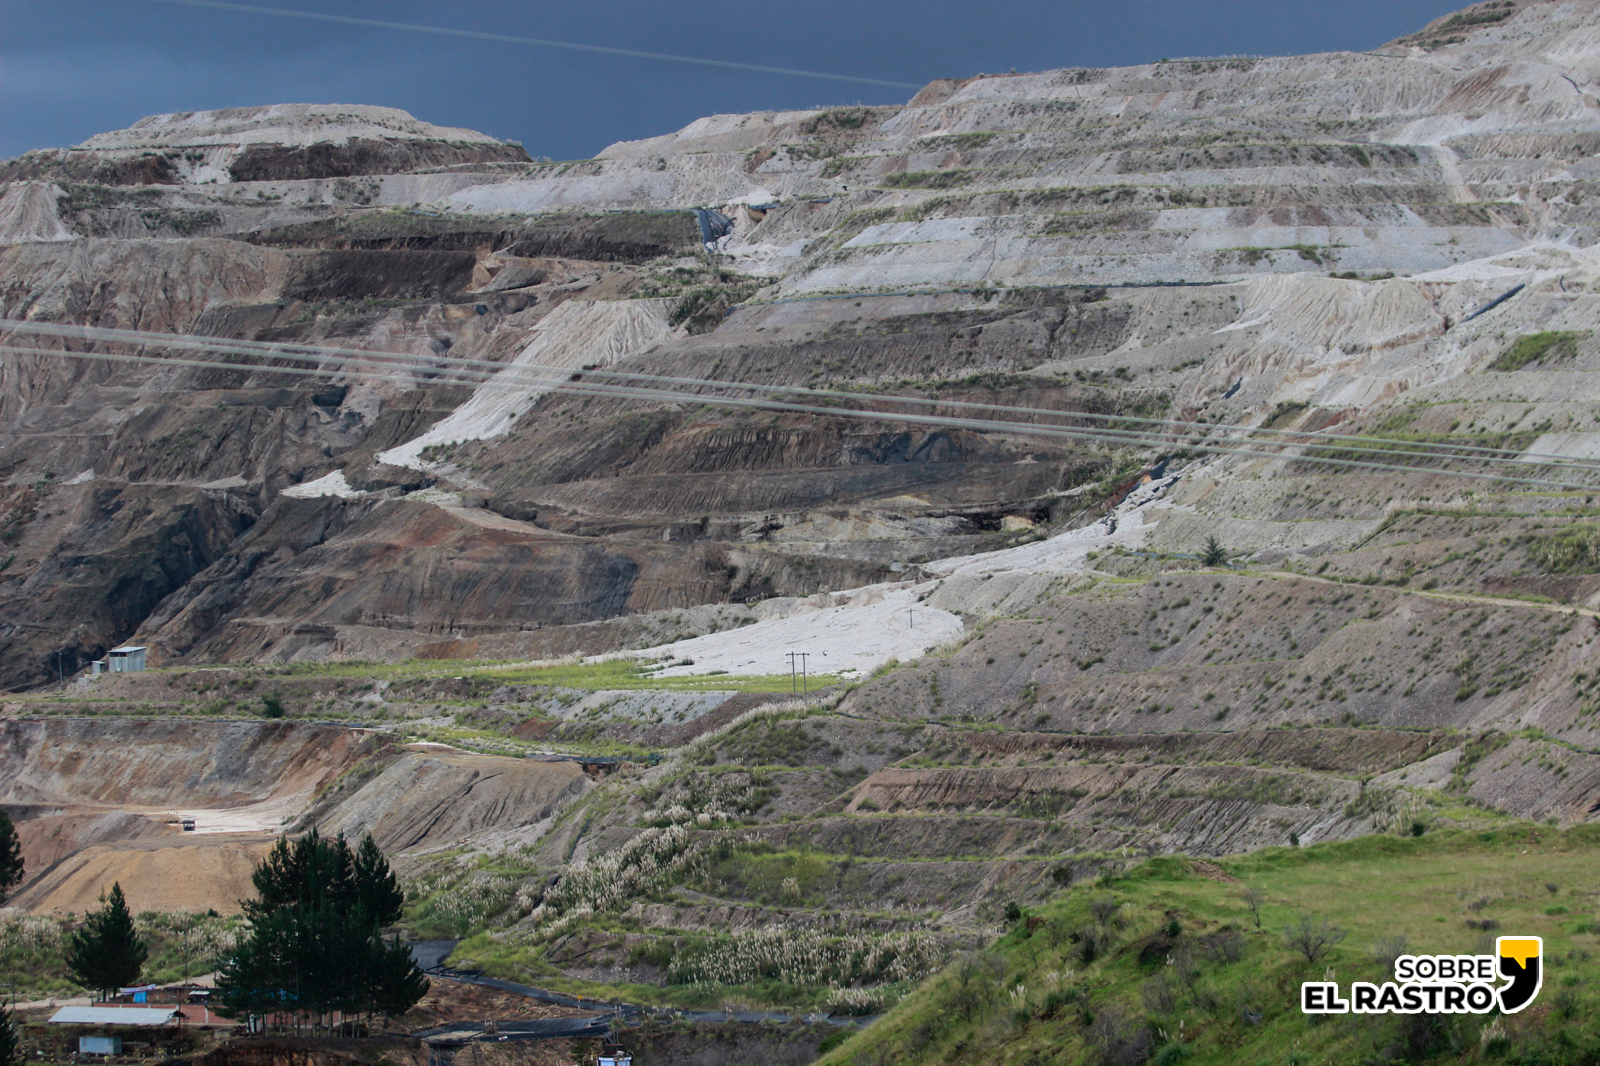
(1345,243)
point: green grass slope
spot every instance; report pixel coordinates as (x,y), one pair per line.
(1166,963)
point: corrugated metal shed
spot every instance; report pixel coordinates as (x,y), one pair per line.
(127,659)
(113,1016)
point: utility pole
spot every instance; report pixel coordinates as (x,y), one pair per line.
(797,684)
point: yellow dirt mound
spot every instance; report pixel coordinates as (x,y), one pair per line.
(178,877)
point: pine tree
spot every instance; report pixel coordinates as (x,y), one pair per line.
(310,870)
(314,945)
(107,952)
(10,860)
(398,983)
(377,889)
(10,1040)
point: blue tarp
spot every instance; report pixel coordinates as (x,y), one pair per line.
(714,225)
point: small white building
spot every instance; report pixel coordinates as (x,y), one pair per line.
(127,659)
(104,1015)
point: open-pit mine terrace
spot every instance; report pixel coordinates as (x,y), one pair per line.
(1200,457)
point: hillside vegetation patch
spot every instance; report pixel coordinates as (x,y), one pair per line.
(1552,346)
(1574,550)
(705,294)
(1167,963)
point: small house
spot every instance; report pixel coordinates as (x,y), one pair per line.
(127,659)
(102,1017)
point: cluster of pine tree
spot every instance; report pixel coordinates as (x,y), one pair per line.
(315,944)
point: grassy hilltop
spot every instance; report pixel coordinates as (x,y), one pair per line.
(1166,963)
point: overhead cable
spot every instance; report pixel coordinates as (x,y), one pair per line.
(506,38)
(1363,444)
(1103,436)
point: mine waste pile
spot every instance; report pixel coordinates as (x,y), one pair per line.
(997,565)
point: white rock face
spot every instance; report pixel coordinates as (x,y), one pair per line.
(333,484)
(849,633)
(576,334)
(1378,144)
(28,213)
(285,124)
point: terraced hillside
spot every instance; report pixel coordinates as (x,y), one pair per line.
(1197,457)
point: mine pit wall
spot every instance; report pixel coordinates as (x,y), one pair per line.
(429,800)
(255,557)
(91,800)
(158,764)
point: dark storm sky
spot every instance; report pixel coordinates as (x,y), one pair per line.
(72,68)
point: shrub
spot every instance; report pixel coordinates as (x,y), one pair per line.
(1223,946)
(808,958)
(1314,937)
(1092,941)
(1575,549)
(833,1040)
(1105,911)
(646,862)
(1253,898)
(1388,950)
(857,1001)
(1117,1039)
(1170,1054)
(1159,994)
(466,905)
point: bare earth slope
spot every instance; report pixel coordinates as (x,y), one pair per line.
(1207,630)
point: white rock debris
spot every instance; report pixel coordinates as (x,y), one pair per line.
(855,632)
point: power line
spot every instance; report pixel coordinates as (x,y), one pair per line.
(505,38)
(798,686)
(561,377)
(1360,445)
(1102,436)
(1363,443)
(564,379)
